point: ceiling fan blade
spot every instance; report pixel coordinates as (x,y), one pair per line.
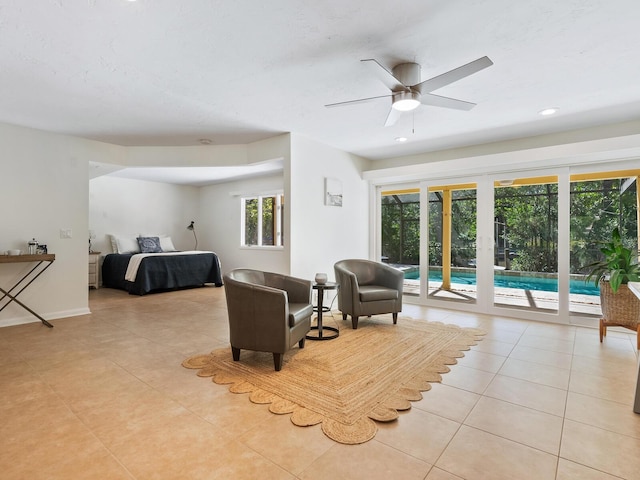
(360,100)
(438,101)
(393,117)
(385,75)
(453,75)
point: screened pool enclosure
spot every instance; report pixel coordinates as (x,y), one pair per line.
(528,239)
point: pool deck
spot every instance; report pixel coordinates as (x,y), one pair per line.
(513,297)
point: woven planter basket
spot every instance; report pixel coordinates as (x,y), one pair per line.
(620,308)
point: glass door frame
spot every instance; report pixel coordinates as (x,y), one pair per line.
(562,314)
(485,240)
(376,240)
(481,287)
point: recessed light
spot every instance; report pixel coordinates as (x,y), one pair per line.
(401,139)
(548,111)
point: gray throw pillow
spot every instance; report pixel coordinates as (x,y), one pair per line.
(149,245)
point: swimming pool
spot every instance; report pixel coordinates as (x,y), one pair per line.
(512,281)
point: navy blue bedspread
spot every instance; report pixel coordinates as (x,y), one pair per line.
(162,272)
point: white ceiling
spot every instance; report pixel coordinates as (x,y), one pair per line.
(193,176)
(167,72)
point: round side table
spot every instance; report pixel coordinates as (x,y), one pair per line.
(320,309)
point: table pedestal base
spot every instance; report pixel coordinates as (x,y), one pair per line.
(333,333)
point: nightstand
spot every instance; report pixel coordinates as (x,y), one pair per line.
(94,269)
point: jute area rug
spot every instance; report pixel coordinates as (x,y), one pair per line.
(349,383)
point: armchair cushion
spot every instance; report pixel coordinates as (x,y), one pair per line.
(372,293)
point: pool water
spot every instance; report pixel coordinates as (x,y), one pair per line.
(510,281)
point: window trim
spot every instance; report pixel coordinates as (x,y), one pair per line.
(277,216)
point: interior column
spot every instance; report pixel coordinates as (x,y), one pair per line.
(446,239)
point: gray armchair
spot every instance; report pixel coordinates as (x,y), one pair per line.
(268,312)
(368,288)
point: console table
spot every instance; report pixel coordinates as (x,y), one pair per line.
(42,262)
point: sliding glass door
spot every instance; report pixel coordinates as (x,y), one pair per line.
(445,221)
(400,234)
(451,227)
(599,203)
(518,244)
(525,273)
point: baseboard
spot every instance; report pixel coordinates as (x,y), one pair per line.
(7,322)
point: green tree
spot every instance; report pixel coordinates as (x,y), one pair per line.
(400,219)
(251,221)
(526,222)
(268,224)
(597,208)
(530,216)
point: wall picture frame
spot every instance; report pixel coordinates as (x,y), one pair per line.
(332,192)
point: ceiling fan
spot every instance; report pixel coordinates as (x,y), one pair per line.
(408,92)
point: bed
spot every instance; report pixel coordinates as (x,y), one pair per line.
(161,271)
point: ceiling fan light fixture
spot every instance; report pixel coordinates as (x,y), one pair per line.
(406,101)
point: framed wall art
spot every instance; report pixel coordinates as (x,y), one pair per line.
(332,192)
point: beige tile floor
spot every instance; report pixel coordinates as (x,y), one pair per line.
(103,396)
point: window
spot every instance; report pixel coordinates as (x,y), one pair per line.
(262,220)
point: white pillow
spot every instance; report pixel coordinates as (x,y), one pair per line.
(167,245)
(127,245)
(159,235)
(114,244)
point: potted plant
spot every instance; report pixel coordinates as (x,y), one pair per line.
(620,307)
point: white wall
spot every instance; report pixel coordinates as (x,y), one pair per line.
(219,211)
(316,235)
(120,206)
(191,156)
(592,146)
(44,188)
(321,235)
(207,155)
